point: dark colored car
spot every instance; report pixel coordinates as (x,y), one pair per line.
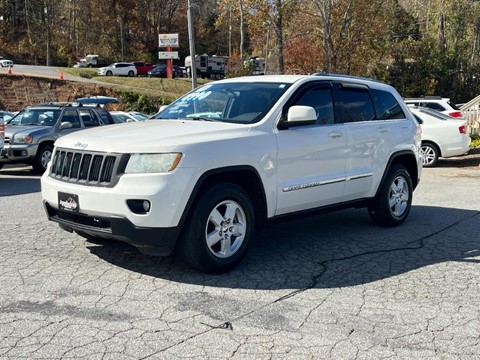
(143,68)
(161,71)
(29,136)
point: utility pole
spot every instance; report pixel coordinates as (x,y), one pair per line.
(229,31)
(191,40)
(47,22)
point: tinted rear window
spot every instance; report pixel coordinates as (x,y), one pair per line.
(386,106)
(355,105)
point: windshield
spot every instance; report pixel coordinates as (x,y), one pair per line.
(42,117)
(228,102)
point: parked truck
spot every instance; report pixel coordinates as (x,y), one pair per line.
(208,66)
(91,61)
(256,65)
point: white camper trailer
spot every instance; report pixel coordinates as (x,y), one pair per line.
(208,66)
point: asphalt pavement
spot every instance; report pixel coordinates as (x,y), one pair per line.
(332,286)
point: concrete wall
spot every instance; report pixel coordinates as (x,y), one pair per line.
(18,91)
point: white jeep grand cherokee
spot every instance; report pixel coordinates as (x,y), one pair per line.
(227,157)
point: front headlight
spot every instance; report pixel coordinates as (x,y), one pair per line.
(152,163)
(23,139)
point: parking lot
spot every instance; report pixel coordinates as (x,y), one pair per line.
(331,286)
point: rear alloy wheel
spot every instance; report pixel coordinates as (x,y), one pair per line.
(42,158)
(219,229)
(131,73)
(430,154)
(394,199)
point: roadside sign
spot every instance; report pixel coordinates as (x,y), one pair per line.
(167,40)
(165,55)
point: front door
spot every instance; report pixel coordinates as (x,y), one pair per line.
(311,159)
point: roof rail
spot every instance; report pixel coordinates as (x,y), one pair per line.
(345,76)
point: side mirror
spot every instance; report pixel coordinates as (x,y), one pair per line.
(66,125)
(299,115)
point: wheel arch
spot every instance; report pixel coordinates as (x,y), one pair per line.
(245,177)
(46,142)
(406,158)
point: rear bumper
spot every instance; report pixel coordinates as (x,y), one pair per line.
(150,241)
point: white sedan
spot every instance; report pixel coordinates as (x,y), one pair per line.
(122,116)
(118,69)
(442,135)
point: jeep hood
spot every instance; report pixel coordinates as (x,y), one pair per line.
(150,136)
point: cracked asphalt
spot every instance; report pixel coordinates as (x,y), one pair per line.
(332,286)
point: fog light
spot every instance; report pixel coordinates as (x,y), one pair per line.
(146,205)
(139,206)
(24,152)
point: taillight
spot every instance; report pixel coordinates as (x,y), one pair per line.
(462,129)
(2,130)
(456,114)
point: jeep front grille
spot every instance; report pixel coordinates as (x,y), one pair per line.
(88,168)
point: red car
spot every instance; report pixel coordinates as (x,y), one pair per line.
(142,68)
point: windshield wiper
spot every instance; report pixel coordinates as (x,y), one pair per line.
(202,118)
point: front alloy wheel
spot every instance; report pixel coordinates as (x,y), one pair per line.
(41,160)
(218,230)
(225,229)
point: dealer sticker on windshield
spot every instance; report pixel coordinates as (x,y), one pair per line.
(68,202)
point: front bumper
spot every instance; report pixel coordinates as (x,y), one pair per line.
(150,241)
(18,153)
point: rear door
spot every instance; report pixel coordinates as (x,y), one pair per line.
(375,126)
(89,119)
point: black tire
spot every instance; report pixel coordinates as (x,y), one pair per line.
(1,166)
(396,188)
(131,73)
(430,154)
(109,73)
(44,154)
(223,254)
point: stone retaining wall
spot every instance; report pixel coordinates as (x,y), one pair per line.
(19,91)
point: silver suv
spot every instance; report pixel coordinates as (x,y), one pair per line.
(30,135)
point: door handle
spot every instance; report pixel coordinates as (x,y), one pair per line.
(335,134)
(383,129)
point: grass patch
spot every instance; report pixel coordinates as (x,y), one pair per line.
(173,88)
(140,93)
(475,141)
(86,73)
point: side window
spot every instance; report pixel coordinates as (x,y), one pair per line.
(105,116)
(89,119)
(355,104)
(320,99)
(434,106)
(71,117)
(386,106)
